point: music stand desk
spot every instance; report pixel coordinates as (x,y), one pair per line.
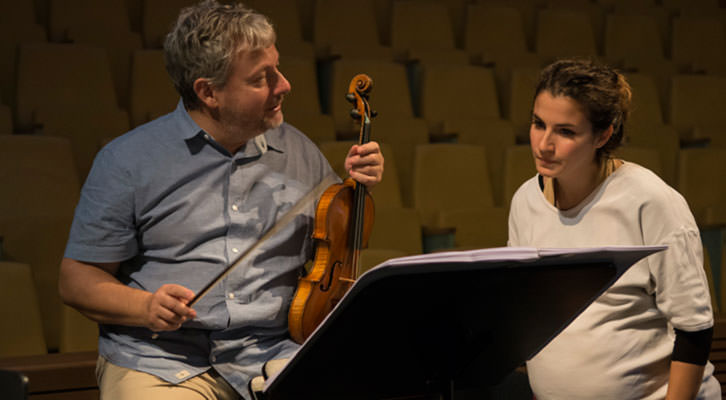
(433,324)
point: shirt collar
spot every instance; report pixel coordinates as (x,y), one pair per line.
(191,129)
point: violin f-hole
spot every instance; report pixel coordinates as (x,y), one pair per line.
(324,287)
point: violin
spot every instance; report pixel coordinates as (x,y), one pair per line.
(343,223)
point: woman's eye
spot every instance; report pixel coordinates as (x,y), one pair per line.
(567,132)
(538,124)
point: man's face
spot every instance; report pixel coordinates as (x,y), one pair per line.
(251,100)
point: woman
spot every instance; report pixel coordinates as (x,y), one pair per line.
(649,335)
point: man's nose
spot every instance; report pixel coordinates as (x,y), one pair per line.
(282,84)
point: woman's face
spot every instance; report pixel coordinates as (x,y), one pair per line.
(563,143)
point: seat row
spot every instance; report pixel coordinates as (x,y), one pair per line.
(415,104)
(519,33)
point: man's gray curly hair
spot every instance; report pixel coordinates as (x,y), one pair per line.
(205,39)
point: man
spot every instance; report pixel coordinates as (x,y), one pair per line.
(170,204)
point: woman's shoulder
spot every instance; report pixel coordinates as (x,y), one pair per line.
(643,188)
(641,181)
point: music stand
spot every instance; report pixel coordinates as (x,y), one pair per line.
(432,326)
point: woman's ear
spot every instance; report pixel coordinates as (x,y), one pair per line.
(605,136)
(205,92)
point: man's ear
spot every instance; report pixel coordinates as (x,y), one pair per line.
(605,136)
(205,92)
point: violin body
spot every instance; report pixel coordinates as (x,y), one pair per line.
(333,270)
(343,224)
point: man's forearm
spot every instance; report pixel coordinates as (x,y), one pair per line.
(97,294)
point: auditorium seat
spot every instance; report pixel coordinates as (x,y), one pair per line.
(503,65)
(396,228)
(87,132)
(402,135)
(678,6)
(338,31)
(388,192)
(22,333)
(157,19)
(14,33)
(317,127)
(152,92)
(646,101)
(492,29)
(595,13)
(35,219)
(711,283)
(78,333)
(284,16)
(661,16)
(450,177)
(390,95)
(6,120)
(476,228)
(80,79)
(563,33)
(303,99)
(134,10)
(21,12)
(643,156)
(662,138)
(697,41)
(495,135)
(521,99)
(713,134)
(518,168)
(102,24)
(421,26)
(119,47)
(696,100)
(701,173)
(450,92)
(527,8)
(65,16)
(633,37)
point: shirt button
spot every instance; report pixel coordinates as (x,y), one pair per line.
(154,335)
(231,295)
(234,207)
(182,374)
(214,358)
(235,250)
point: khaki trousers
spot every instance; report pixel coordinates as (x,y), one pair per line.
(118,383)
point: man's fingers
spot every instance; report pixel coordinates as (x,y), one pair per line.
(363,178)
(178,291)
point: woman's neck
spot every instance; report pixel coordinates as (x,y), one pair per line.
(568,193)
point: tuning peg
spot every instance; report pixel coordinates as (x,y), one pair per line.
(350,97)
(355,114)
(374,113)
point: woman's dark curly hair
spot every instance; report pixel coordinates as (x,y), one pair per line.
(603,93)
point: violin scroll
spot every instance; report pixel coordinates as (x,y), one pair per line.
(359,90)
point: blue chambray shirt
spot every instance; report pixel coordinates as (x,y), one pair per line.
(173,206)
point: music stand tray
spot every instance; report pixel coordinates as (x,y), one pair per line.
(424,324)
